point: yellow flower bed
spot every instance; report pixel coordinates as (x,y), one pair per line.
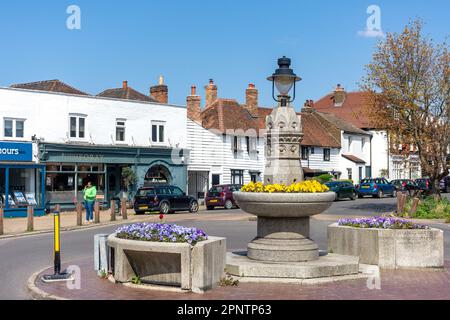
(310,186)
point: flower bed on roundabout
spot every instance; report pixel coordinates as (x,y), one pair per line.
(167,255)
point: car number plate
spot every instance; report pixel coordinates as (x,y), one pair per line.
(214,201)
(365,187)
(143,207)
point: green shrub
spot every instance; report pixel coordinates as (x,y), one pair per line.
(326,177)
(430,208)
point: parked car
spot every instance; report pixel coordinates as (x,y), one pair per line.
(343,189)
(444,185)
(377,187)
(222,196)
(405,185)
(165,199)
(424,185)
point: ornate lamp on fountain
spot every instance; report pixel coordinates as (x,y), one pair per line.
(283,218)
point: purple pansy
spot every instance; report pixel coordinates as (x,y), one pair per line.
(161,233)
(381,223)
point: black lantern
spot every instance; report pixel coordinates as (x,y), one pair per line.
(284,79)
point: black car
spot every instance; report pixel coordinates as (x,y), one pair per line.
(405,185)
(165,199)
(444,184)
(424,185)
(343,189)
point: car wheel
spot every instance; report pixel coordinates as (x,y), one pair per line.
(353,197)
(394,194)
(209,208)
(193,208)
(164,208)
(229,205)
(380,194)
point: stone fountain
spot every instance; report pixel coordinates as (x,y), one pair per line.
(283,248)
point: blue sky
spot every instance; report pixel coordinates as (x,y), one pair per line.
(234,42)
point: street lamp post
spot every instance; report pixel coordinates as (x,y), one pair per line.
(284,79)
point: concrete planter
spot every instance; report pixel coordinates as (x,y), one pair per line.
(196,268)
(389,248)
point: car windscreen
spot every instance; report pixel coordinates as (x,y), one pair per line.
(216,190)
(145,192)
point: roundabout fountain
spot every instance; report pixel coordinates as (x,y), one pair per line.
(283,247)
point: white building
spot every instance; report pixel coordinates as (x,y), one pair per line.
(82,137)
(350,107)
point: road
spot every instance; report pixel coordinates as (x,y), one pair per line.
(23,256)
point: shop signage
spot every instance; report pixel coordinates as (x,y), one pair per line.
(13,151)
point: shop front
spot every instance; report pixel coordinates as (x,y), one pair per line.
(69,167)
(21,180)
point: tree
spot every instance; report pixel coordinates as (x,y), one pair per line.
(129,177)
(408,94)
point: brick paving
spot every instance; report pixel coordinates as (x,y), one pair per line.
(395,285)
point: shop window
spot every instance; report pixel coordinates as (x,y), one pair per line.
(23,189)
(77,127)
(13,128)
(311,150)
(252,144)
(120,130)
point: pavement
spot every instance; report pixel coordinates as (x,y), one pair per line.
(25,255)
(393,285)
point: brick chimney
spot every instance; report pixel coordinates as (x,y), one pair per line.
(211,92)
(251,100)
(193,106)
(125,84)
(160,92)
(339,96)
(308,106)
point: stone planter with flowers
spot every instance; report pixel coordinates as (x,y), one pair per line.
(388,242)
(168,255)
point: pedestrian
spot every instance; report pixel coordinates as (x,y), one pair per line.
(90,194)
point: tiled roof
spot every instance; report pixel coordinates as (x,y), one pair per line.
(353,158)
(353,109)
(319,132)
(50,86)
(341,124)
(127,94)
(228,114)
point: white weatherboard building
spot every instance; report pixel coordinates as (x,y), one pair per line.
(82,138)
(227,143)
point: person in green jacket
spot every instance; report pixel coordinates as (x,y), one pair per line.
(90,194)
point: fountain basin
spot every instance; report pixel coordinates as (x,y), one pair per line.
(284,205)
(283,224)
